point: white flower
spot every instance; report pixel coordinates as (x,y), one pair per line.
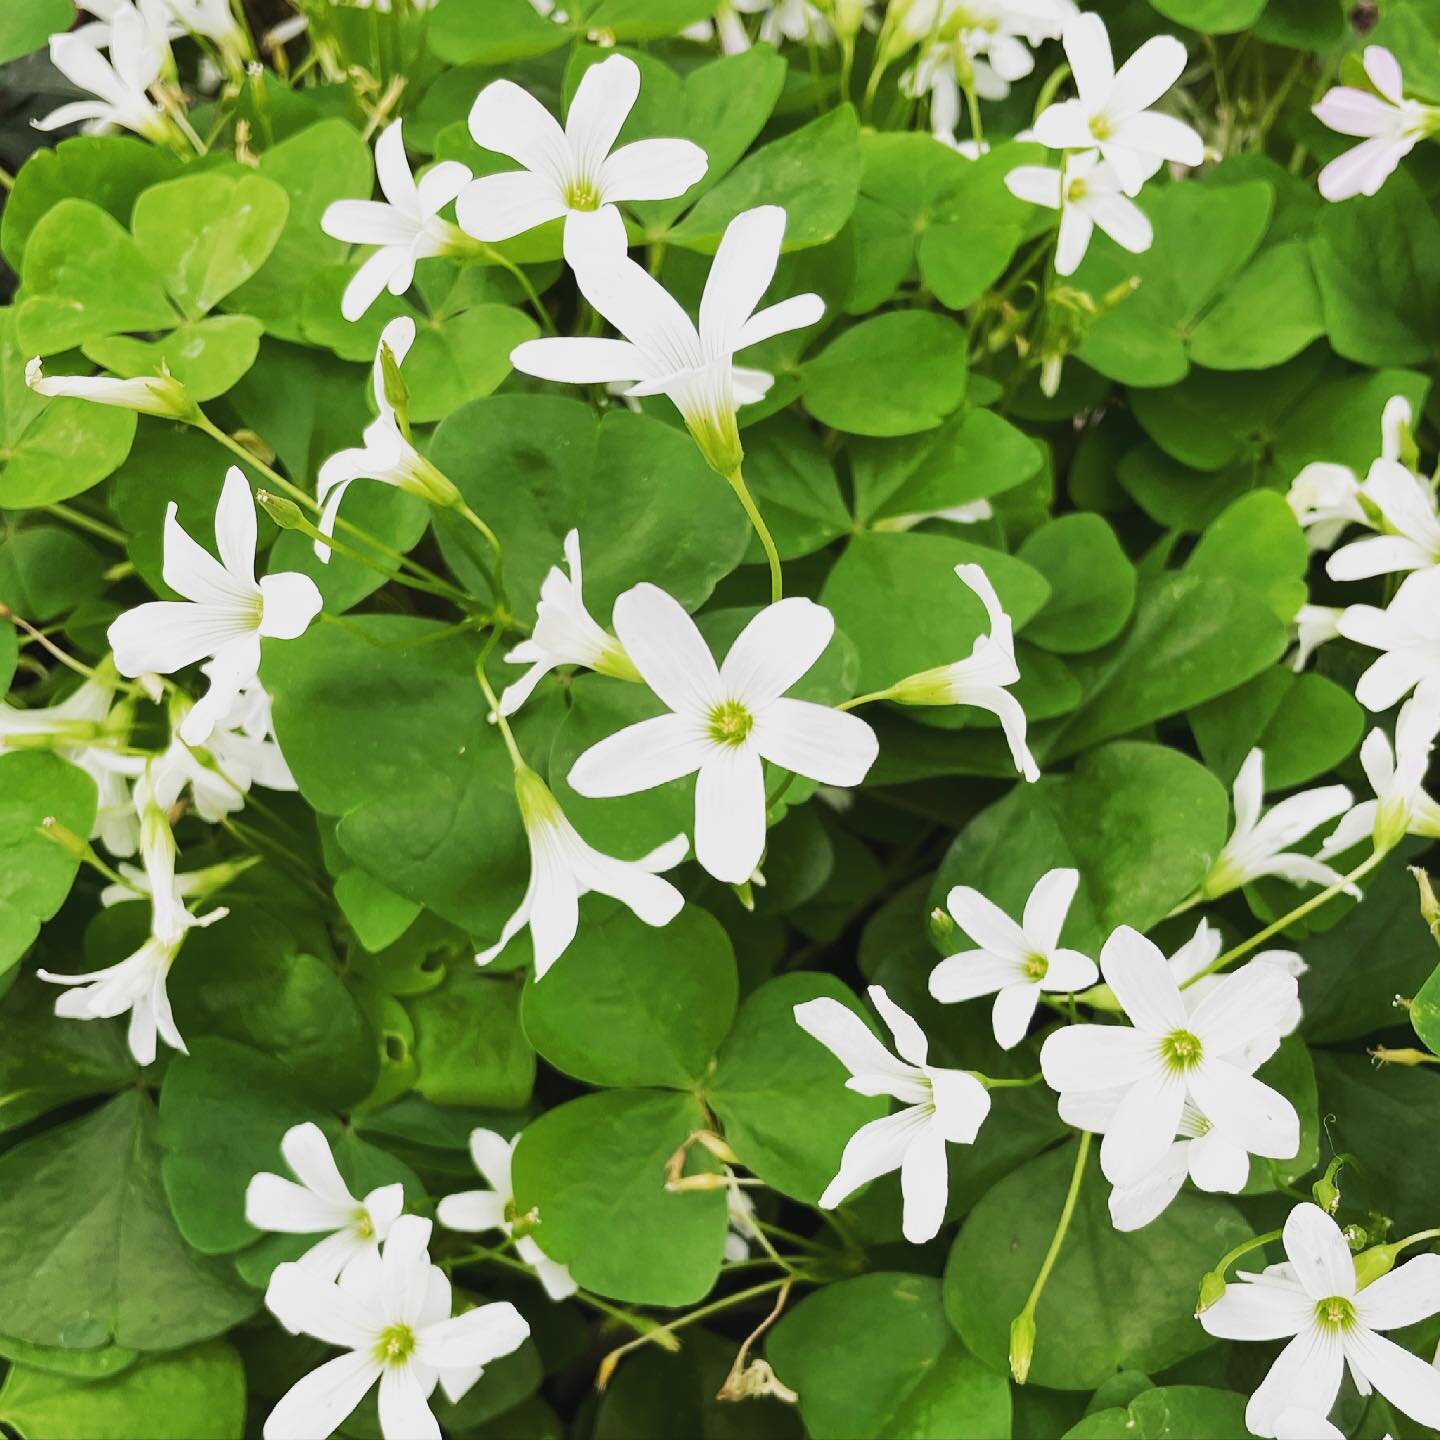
(1391,125)
(390,1313)
(1087,192)
(980,679)
(138,54)
(1112,113)
(1408,631)
(969,513)
(563,868)
(223,615)
(1315,625)
(69,726)
(1411,536)
(1401,807)
(1316,1299)
(1175,1055)
(663,352)
(1260,843)
(494,1209)
(137,984)
(1326,497)
(941,1107)
(1015,963)
(572,172)
(321,1202)
(725,722)
(214,19)
(564,634)
(148,394)
(797,20)
(386,454)
(406,226)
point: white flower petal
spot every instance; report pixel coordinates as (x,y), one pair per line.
(742,270)
(1249,1111)
(841,1031)
(652,170)
(794,313)
(641,756)
(1136,971)
(1248,1311)
(668,650)
(924,1185)
(1012,1012)
(1405,1380)
(1319,1254)
(730,814)
(307,1152)
(1243,1006)
(291,602)
(773,651)
(581,361)
(472,1210)
(510,121)
(972,973)
(821,743)
(163,636)
(1048,905)
(873,1150)
(496,207)
(988,925)
(1307,1373)
(602,103)
(492,1154)
(403,1408)
(1143,1127)
(475,1338)
(1218,1164)
(1087,48)
(1409,1293)
(308,1304)
(1134,1206)
(317,1404)
(1095,1057)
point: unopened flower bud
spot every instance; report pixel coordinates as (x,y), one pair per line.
(1429,905)
(65,838)
(1384,1055)
(161,395)
(1022,1345)
(285,513)
(1378,1260)
(1212,1287)
(942,928)
(1326,1194)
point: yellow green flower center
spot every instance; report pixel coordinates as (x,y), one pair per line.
(364,1225)
(730,723)
(1037,967)
(1181,1050)
(582,195)
(1336,1313)
(1075,190)
(395,1345)
(1100,127)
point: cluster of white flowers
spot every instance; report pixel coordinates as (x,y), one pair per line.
(1397,504)
(1111,141)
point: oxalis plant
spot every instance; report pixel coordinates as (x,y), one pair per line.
(717,720)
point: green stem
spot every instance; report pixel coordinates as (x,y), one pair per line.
(869,699)
(523,280)
(497,580)
(82,521)
(1003,1083)
(516,758)
(972,104)
(1025,1321)
(742,492)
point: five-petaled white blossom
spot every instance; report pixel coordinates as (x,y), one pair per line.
(664,353)
(390,1313)
(1325,497)
(941,1107)
(1088,192)
(574,171)
(1015,963)
(1408,632)
(160,395)
(981,678)
(386,453)
(406,226)
(563,867)
(1409,526)
(136,985)
(1389,125)
(1397,774)
(1261,841)
(725,722)
(1112,113)
(321,1202)
(223,616)
(494,1209)
(1178,1051)
(565,634)
(1314,1301)
(139,52)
